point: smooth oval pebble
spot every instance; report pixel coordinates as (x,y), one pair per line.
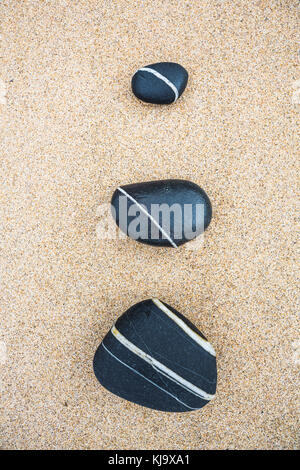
(155,357)
(161,83)
(162,213)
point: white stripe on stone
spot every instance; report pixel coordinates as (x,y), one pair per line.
(166,235)
(192,334)
(159,367)
(163,78)
(148,380)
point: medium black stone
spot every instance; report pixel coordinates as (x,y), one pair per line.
(162,213)
(155,357)
(161,83)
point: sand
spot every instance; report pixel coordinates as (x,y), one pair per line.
(71,132)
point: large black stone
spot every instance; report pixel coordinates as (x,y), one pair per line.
(162,213)
(161,83)
(155,357)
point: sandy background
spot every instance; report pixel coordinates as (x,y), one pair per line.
(71,131)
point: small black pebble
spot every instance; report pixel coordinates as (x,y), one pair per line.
(155,357)
(161,83)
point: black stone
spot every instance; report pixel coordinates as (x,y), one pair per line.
(185,211)
(152,89)
(181,374)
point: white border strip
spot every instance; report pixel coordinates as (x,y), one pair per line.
(197,338)
(163,78)
(161,367)
(150,217)
(148,380)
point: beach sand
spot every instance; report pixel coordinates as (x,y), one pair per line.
(71,132)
